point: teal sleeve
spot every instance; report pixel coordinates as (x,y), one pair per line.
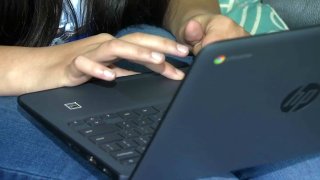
(254,16)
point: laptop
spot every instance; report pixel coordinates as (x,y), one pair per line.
(244,103)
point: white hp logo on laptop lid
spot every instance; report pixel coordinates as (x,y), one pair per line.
(73,106)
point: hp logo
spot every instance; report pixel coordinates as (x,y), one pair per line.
(300,98)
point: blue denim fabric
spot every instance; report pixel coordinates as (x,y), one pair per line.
(30,152)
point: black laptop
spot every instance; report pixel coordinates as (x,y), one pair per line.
(243,103)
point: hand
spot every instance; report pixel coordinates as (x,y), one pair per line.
(100,52)
(204,29)
(26,70)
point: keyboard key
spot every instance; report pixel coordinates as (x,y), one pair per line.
(156,117)
(155,125)
(111,147)
(96,130)
(161,107)
(144,130)
(130,161)
(142,122)
(141,149)
(126,125)
(125,154)
(142,141)
(128,115)
(129,134)
(92,119)
(106,138)
(125,144)
(95,123)
(87,132)
(113,120)
(146,111)
(76,123)
(108,116)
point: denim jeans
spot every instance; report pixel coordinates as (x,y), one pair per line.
(28,152)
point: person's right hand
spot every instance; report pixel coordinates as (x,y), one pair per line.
(97,54)
(28,70)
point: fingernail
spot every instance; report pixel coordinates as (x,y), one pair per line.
(109,74)
(158,57)
(180,73)
(183,49)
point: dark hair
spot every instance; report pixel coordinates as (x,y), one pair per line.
(35,22)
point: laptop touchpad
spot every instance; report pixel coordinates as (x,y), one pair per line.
(147,88)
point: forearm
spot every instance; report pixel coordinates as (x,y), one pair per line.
(23,69)
(180,11)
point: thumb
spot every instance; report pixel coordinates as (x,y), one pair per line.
(193,33)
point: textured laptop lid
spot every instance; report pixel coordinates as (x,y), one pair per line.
(244,103)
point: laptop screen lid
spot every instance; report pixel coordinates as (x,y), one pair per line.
(244,103)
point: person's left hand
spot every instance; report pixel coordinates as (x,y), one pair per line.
(203,29)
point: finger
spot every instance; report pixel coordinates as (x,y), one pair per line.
(167,70)
(120,72)
(121,49)
(193,32)
(211,37)
(197,48)
(157,43)
(91,68)
(116,48)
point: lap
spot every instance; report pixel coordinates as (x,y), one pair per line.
(29,152)
(303,168)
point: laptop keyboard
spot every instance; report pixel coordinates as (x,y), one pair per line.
(124,135)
